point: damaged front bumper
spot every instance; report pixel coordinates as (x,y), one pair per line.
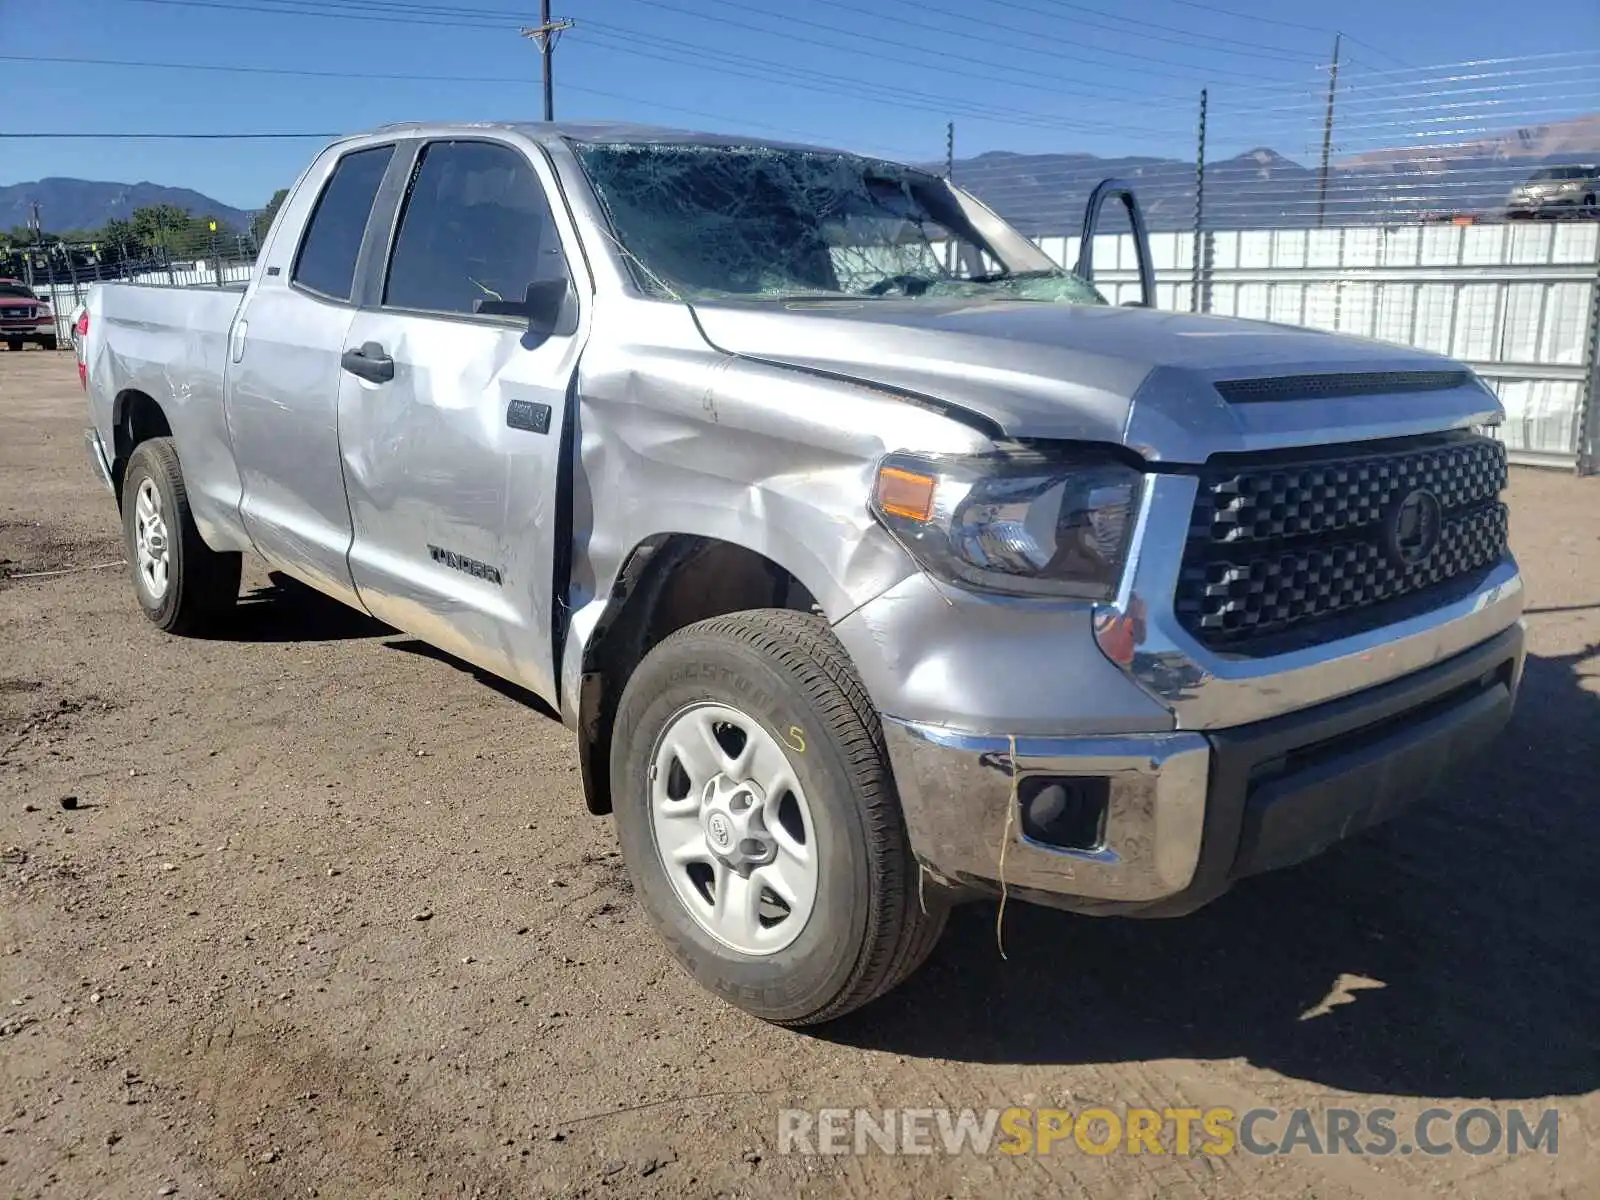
(1173,819)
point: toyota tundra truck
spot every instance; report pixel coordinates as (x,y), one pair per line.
(874,561)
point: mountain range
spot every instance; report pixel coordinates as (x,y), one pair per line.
(1045,193)
(66,204)
(1261,189)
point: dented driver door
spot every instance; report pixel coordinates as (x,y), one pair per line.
(451,411)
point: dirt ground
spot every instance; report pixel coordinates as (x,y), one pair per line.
(214,980)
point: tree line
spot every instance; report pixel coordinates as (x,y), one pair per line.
(155,233)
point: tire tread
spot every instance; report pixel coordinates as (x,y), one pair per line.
(900,935)
(207,579)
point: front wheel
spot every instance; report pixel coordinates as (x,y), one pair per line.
(759,820)
(182,584)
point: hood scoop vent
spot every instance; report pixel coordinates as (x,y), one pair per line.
(1337,385)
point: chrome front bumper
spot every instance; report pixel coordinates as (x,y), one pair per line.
(1189,812)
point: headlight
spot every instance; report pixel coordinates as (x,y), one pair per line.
(1032,524)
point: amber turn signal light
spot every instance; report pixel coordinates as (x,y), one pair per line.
(903,493)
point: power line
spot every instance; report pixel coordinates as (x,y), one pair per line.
(487,80)
(1036,41)
(1038,44)
(1219,10)
(698,51)
(1186,37)
(442,15)
(359,10)
(441,18)
(897,97)
(768,71)
(1487,62)
(943,56)
(1189,75)
(1252,52)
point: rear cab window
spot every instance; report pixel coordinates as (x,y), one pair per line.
(476,225)
(326,261)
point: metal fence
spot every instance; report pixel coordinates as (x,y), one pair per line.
(66,295)
(1520,303)
(1412,205)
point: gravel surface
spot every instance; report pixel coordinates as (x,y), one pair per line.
(314,910)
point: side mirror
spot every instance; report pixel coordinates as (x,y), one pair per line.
(548,305)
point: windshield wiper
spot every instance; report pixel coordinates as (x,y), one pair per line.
(848,297)
(1009,276)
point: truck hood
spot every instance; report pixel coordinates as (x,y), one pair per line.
(1139,377)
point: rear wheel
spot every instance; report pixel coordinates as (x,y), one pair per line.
(759,820)
(182,584)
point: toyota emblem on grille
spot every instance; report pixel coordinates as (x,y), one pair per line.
(1413,528)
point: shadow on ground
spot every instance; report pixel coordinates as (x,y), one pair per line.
(505,687)
(288,611)
(1454,952)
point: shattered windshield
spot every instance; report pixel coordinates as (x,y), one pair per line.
(703,222)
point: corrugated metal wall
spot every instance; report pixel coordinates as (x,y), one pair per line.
(1517,301)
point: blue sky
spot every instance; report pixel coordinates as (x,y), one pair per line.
(877,75)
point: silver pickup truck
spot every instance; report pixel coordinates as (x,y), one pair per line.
(875,561)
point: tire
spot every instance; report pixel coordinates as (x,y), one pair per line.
(14,345)
(183,586)
(782,680)
(48,342)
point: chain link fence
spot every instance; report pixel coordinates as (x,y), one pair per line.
(62,272)
(1451,208)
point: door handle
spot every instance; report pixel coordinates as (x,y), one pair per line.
(369,361)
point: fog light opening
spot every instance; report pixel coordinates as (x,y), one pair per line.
(1064,812)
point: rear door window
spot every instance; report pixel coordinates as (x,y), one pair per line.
(326,263)
(476,226)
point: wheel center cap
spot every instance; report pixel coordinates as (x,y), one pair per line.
(731,821)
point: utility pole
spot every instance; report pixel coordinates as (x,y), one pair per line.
(545,35)
(1327,133)
(38,227)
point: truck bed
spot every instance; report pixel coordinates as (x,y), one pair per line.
(169,344)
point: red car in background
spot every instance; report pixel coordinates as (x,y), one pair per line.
(25,317)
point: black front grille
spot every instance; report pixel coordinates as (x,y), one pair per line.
(1304,544)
